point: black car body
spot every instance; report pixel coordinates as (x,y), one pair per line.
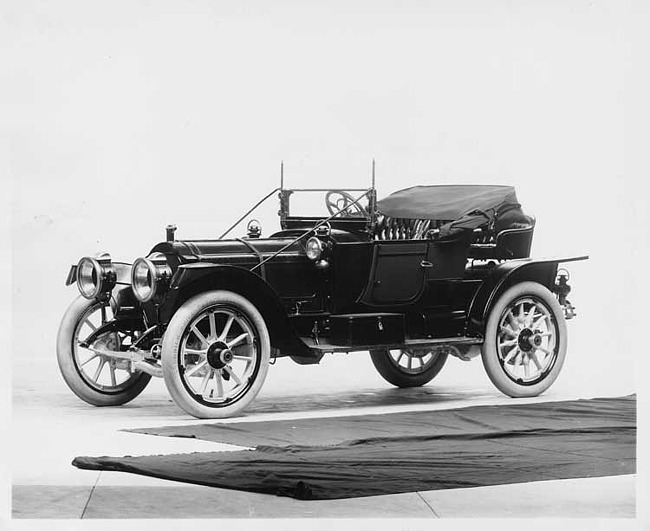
(424,273)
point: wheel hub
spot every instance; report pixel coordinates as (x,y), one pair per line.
(529,340)
(108,341)
(219,355)
(417,353)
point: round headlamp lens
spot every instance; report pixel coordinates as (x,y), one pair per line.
(314,248)
(143,279)
(89,277)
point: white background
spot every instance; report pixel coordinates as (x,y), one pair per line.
(129,115)
(125,116)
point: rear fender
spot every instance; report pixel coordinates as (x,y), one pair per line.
(503,277)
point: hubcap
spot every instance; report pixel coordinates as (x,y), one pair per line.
(219,356)
(527,340)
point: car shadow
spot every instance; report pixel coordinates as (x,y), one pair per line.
(365,398)
(155,402)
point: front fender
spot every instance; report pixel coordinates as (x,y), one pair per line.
(501,278)
(192,279)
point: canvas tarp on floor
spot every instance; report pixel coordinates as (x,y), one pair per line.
(368,455)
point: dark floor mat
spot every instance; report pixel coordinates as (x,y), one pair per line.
(596,412)
(405,452)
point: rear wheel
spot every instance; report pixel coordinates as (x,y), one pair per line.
(525,340)
(215,354)
(408,367)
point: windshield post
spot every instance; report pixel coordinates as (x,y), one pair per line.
(284,196)
(372,202)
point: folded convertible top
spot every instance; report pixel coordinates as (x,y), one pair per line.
(448,202)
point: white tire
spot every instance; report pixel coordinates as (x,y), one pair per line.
(215,354)
(525,340)
(96,379)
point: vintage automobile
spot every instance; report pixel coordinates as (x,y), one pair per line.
(425,273)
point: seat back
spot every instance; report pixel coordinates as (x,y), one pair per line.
(512,242)
(515,242)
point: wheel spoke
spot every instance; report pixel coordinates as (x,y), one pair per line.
(219,382)
(531,315)
(204,383)
(513,320)
(511,354)
(241,358)
(232,375)
(237,340)
(99,369)
(401,355)
(90,324)
(521,317)
(533,356)
(508,343)
(112,369)
(539,321)
(90,359)
(226,328)
(213,327)
(525,363)
(544,350)
(195,352)
(508,331)
(196,368)
(200,336)
(103,314)
(410,362)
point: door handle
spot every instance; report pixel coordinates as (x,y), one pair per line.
(426,264)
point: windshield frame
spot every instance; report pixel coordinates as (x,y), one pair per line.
(284,196)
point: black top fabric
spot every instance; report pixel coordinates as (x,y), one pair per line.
(331,458)
(447,202)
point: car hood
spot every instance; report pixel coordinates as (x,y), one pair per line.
(233,251)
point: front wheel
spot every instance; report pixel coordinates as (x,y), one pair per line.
(525,341)
(95,378)
(215,355)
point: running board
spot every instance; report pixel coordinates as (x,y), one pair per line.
(322,346)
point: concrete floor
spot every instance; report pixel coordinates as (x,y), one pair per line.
(50,426)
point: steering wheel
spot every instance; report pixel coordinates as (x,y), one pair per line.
(343,203)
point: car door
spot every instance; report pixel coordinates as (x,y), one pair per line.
(446,259)
(398,272)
